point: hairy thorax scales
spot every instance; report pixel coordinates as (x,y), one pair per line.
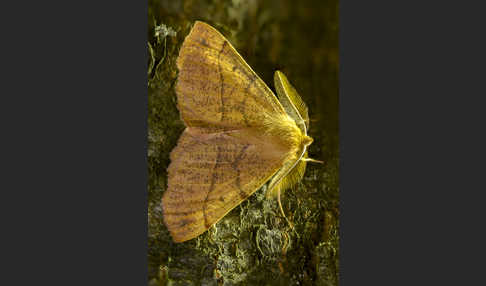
(284,128)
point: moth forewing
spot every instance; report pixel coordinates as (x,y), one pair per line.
(210,174)
(291,101)
(216,88)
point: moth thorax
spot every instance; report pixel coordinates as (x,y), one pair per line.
(284,129)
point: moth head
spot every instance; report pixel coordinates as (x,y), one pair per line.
(306,140)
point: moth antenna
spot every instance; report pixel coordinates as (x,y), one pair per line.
(313,160)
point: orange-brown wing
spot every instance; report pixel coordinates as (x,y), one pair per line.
(216,88)
(210,174)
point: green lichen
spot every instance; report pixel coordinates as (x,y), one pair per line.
(253,244)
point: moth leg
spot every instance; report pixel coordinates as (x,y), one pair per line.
(281,210)
(312,160)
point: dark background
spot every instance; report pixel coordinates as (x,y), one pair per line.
(253,244)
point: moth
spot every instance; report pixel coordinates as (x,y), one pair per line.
(238,136)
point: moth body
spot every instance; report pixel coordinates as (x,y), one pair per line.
(284,128)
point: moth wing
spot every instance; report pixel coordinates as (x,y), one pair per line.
(216,88)
(291,101)
(210,174)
